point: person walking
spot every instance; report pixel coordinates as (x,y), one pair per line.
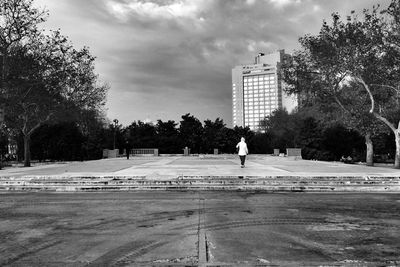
(242,151)
(128,148)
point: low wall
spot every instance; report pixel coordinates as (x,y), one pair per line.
(293,152)
(110,153)
(144,152)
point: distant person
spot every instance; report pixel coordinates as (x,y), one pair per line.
(127,149)
(242,151)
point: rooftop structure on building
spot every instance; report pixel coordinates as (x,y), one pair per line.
(257,91)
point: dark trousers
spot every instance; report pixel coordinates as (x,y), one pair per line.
(242,160)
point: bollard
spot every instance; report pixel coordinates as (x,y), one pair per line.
(186,151)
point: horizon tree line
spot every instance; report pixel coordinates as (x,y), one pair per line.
(318,139)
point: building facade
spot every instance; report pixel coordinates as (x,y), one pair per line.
(257,91)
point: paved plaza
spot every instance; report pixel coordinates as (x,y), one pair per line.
(221,165)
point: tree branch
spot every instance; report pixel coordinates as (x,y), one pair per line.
(340,104)
(387,86)
(372,110)
(335,96)
(371,97)
(40,123)
(384,120)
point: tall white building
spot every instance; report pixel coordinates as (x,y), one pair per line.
(257,91)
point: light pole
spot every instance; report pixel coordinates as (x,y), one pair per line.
(115,131)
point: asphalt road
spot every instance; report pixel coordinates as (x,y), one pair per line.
(199,229)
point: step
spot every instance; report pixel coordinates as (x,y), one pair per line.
(242,183)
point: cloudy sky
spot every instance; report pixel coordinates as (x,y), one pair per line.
(166,58)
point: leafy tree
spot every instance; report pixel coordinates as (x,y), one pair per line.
(214,135)
(373,61)
(376,65)
(317,138)
(311,138)
(283,128)
(243,132)
(142,135)
(358,118)
(262,143)
(168,137)
(232,138)
(61,141)
(191,132)
(18,24)
(392,29)
(19,21)
(44,78)
(340,141)
(91,123)
(359,51)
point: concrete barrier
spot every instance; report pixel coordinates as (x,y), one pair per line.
(186,151)
(110,153)
(293,152)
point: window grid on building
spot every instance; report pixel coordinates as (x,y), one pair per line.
(259,98)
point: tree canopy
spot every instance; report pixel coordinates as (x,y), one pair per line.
(44,78)
(352,66)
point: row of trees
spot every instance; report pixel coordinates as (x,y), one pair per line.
(43,78)
(171,138)
(318,140)
(350,73)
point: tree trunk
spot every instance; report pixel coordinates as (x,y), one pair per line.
(3,68)
(397,156)
(370,150)
(27,150)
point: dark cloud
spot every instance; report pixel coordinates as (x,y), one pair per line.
(167,58)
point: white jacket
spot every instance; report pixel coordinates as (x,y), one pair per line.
(243,151)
